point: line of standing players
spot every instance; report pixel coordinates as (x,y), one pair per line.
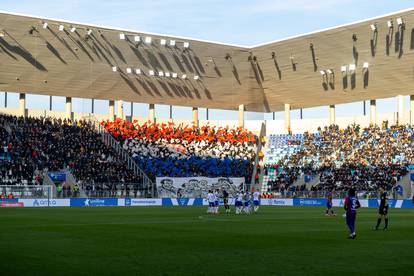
(245,202)
(351,205)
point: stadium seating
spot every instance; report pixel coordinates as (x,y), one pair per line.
(184,151)
(33,146)
(340,158)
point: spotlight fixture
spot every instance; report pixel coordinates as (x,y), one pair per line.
(365,65)
(389,24)
(45,25)
(399,21)
(196,77)
(129,70)
(186,45)
(172,43)
(122,36)
(352,67)
(329,71)
(89,32)
(61,28)
(137,38)
(161,74)
(138,71)
(163,42)
(151,72)
(1,33)
(174,75)
(322,72)
(184,77)
(72,30)
(114,69)
(167,74)
(343,68)
(373,27)
(148,39)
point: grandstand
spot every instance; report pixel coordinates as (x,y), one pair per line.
(117,153)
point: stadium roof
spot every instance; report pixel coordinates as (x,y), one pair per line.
(303,71)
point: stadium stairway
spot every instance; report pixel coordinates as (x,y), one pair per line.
(109,140)
(259,148)
(405,183)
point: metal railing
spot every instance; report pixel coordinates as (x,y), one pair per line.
(27,191)
(125,156)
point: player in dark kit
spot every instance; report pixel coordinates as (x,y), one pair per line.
(383,210)
(351,205)
(226,201)
(329,210)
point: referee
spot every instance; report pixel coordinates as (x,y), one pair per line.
(226,201)
(383,209)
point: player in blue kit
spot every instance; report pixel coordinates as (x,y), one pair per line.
(329,210)
(256,201)
(239,202)
(351,205)
(210,199)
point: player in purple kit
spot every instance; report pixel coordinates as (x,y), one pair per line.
(351,205)
(329,210)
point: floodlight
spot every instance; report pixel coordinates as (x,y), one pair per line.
(163,42)
(151,72)
(122,36)
(138,71)
(196,77)
(174,75)
(343,68)
(184,76)
(45,25)
(352,67)
(186,44)
(322,72)
(389,24)
(167,74)
(172,43)
(365,65)
(161,74)
(61,28)
(73,29)
(148,40)
(129,70)
(114,69)
(137,38)
(373,27)
(399,21)
(89,32)
(329,71)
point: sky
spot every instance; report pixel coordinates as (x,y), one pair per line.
(237,22)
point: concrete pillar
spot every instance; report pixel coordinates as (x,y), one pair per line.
(411,109)
(120,109)
(241,115)
(111,110)
(68,108)
(22,104)
(195,116)
(400,109)
(287,118)
(373,112)
(332,116)
(151,112)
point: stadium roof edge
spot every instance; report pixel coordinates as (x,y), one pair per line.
(123,30)
(332,28)
(214,42)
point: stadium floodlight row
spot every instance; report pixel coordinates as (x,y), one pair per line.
(364,60)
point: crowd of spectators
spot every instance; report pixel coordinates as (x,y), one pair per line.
(33,146)
(362,157)
(184,151)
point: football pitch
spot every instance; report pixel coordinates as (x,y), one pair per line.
(187,241)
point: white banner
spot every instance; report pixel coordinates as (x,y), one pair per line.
(44,202)
(196,187)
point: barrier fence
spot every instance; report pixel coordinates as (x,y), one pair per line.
(125,202)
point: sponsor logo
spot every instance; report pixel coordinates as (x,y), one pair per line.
(44,202)
(127,202)
(182,201)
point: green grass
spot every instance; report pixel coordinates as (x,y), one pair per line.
(186,241)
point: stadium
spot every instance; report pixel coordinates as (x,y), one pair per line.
(135,152)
